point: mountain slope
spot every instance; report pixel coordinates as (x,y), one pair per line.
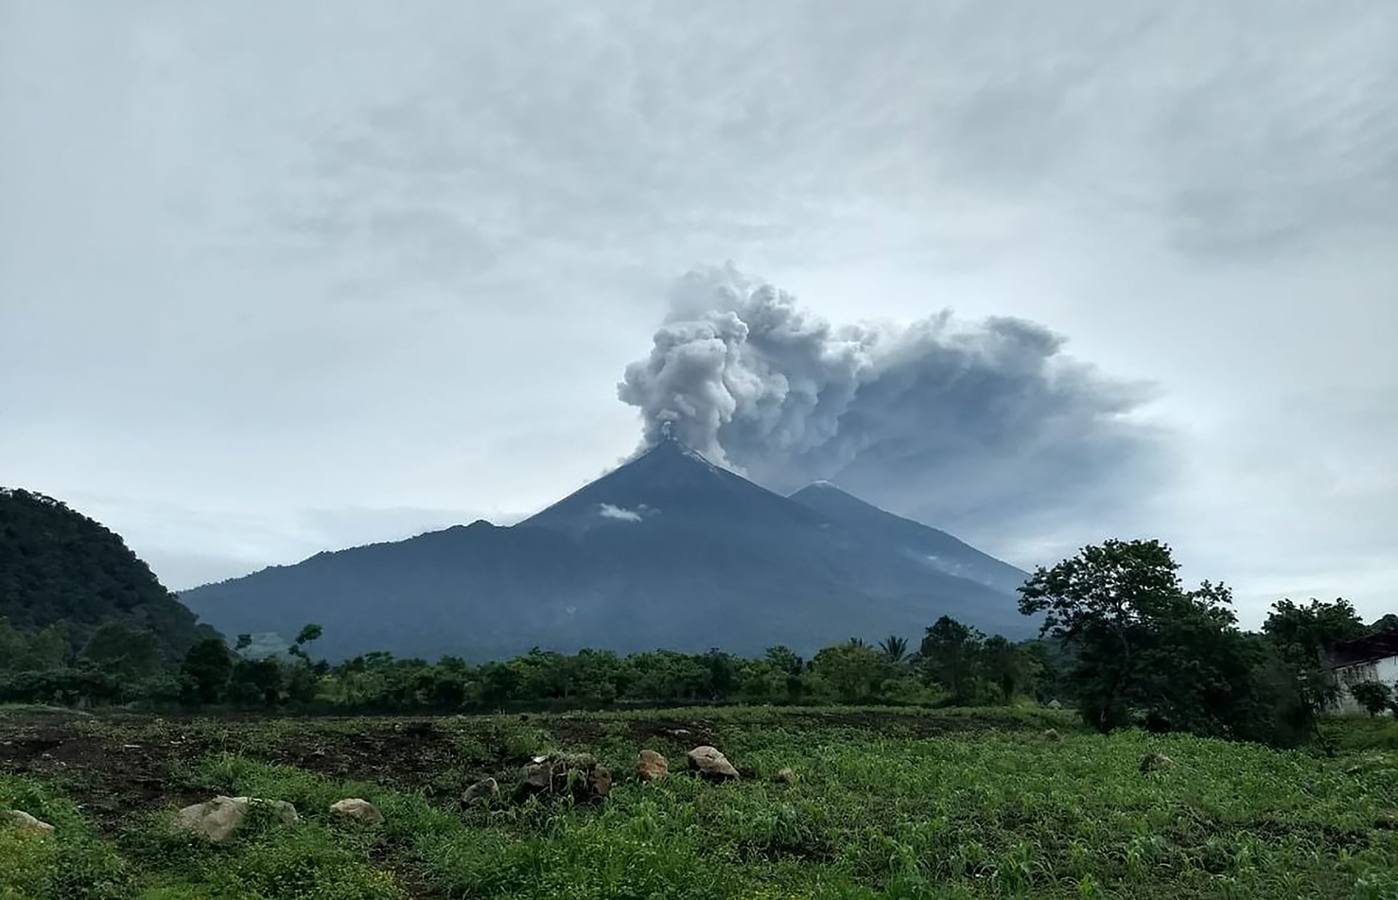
(936,548)
(668,550)
(58,565)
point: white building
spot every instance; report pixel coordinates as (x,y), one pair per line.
(1371,658)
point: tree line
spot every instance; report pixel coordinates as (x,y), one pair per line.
(1122,640)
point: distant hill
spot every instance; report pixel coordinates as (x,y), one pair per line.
(667,551)
(58,565)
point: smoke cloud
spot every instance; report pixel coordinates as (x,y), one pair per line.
(959,425)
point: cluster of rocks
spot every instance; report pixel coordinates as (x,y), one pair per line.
(219,819)
(581,777)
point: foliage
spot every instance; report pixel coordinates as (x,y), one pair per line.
(1301,634)
(59,565)
(1149,651)
(888,803)
(1373,696)
(207,668)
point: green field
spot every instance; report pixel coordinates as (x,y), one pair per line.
(887,803)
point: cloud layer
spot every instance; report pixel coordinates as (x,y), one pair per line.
(949,421)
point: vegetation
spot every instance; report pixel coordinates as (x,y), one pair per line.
(885,803)
(60,569)
(1373,696)
(1123,640)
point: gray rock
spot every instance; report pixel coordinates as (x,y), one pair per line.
(651,766)
(361,811)
(711,764)
(216,820)
(486,789)
(784,776)
(25,822)
(1153,762)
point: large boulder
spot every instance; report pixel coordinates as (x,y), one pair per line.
(24,821)
(651,766)
(711,765)
(486,789)
(216,820)
(578,775)
(361,811)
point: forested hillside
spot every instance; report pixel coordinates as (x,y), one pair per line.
(60,567)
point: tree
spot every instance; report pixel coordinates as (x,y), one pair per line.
(244,642)
(894,648)
(1373,696)
(855,672)
(1006,666)
(949,656)
(1142,642)
(255,680)
(207,667)
(123,651)
(1301,636)
(307,635)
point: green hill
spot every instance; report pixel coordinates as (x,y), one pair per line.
(57,565)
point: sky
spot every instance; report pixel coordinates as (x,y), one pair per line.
(280,278)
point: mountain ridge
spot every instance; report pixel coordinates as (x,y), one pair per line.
(667,550)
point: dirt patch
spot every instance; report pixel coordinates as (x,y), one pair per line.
(407,754)
(690,732)
(111,775)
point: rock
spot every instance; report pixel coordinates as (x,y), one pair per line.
(711,764)
(1054,704)
(217,819)
(784,776)
(25,822)
(1051,735)
(360,810)
(1152,762)
(651,766)
(486,789)
(576,774)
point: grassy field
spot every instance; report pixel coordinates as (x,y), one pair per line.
(888,803)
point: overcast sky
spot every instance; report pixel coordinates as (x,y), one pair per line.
(279,277)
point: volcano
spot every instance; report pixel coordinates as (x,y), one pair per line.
(666,551)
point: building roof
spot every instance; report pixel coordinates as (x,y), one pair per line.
(1367,649)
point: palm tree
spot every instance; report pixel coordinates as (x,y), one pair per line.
(895,648)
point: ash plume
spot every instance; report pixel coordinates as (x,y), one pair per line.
(959,423)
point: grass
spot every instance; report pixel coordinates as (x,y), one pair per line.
(887,803)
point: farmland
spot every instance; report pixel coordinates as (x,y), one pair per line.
(884,803)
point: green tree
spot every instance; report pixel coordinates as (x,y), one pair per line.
(1373,696)
(1008,667)
(854,672)
(307,635)
(1141,641)
(950,655)
(123,650)
(1301,635)
(207,667)
(894,648)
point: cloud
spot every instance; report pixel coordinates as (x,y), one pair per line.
(957,423)
(608,511)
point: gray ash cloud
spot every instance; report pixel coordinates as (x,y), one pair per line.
(958,423)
